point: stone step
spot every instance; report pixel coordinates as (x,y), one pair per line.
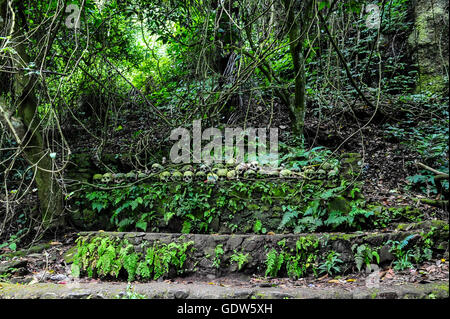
(201,290)
(219,255)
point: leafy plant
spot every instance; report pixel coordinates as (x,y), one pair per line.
(304,258)
(218,251)
(274,262)
(402,257)
(131,294)
(239,258)
(106,257)
(364,255)
(331,264)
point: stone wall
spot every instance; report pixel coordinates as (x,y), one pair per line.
(201,258)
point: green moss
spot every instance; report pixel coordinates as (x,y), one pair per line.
(441,290)
(69,255)
(440,224)
(345,237)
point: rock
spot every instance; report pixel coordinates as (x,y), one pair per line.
(385,254)
(181,294)
(373,280)
(58,277)
(234,242)
(78,295)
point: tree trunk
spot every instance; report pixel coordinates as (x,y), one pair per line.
(296,34)
(20,115)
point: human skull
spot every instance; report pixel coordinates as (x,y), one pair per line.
(97,178)
(268,172)
(156,168)
(212,178)
(131,176)
(188,176)
(334,172)
(327,166)
(250,173)
(204,168)
(222,173)
(177,176)
(285,173)
(187,168)
(230,162)
(200,175)
(119,177)
(141,175)
(231,174)
(241,168)
(164,176)
(254,166)
(107,178)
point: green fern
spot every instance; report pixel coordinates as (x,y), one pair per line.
(274,262)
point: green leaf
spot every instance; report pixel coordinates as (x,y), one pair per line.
(13,246)
(97,206)
(142,225)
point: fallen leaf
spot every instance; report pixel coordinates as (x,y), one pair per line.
(351,280)
(333,281)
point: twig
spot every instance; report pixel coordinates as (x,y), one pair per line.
(432,170)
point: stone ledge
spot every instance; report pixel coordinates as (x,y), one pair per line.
(200,260)
(162,290)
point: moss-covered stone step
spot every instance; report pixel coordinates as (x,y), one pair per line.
(150,256)
(199,290)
